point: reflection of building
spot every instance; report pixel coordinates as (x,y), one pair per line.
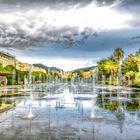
(7,59)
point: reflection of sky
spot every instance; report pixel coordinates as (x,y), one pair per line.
(69,118)
(60,32)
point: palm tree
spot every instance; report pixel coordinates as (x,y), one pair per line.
(118,54)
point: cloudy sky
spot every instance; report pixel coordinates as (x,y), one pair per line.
(68,33)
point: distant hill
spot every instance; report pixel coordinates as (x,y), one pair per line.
(45,67)
(59,70)
(85,69)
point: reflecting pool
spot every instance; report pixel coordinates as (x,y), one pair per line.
(69,111)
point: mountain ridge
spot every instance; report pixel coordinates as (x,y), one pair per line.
(60,70)
(46,67)
(85,68)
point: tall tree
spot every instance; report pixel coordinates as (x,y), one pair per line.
(118,54)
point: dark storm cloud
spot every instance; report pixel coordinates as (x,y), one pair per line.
(60,4)
(21,39)
(93,48)
(57,2)
(129,4)
(52,4)
(132,7)
(105,2)
(26,32)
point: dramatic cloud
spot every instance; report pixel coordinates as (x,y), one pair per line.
(86,30)
(35,26)
(55,4)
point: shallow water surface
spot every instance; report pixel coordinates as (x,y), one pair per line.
(63,111)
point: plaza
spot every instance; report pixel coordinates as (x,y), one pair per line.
(71,111)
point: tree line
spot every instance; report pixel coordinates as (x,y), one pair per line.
(129,66)
(18,77)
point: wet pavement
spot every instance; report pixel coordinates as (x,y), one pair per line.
(75,111)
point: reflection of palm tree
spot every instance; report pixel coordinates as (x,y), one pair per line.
(120,115)
(93,131)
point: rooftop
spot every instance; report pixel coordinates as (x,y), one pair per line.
(7,54)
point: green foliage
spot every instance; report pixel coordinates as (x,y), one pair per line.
(9,68)
(101,66)
(70,76)
(54,74)
(107,66)
(20,75)
(2,68)
(80,73)
(39,77)
(137,79)
(130,74)
(130,67)
(130,64)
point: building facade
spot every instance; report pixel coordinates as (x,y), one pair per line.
(22,66)
(25,67)
(7,59)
